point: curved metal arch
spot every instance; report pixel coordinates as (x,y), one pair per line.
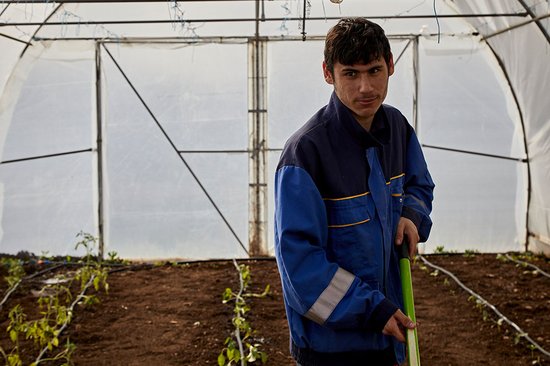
(525,146)
(536,20)
(39,28)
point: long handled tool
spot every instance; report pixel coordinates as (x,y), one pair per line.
(413,354)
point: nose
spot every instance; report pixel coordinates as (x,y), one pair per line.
(365,84)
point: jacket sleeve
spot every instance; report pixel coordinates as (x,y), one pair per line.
(314,287)
(418,188)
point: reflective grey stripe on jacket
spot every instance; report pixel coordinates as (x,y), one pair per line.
(330,297)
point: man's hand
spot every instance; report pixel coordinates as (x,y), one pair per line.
(396,326)
(407,228)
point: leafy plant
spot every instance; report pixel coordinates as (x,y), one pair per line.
(440,249)
(470,252)
(15,271)
(15,328)
(92,268)
(64,355)
(56,310)
(502,258)
(113,258)
(240,349)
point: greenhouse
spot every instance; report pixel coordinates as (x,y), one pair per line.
(156,125)
(139,141)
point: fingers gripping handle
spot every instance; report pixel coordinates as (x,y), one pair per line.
(404,251)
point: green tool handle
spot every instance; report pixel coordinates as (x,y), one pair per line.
(413,353)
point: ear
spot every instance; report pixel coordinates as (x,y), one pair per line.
(391,66)
(327,74)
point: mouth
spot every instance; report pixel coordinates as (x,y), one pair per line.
(367,101)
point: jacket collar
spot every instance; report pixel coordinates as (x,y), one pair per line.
(379,133)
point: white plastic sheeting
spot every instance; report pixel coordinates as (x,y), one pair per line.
(523,46)
(179,84)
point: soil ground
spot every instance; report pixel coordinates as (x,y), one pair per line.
(174,315)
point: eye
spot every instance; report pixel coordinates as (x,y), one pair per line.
(350,73)
(375,70)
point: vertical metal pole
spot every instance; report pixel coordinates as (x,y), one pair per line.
(99,150)
(416,73)
(257,102)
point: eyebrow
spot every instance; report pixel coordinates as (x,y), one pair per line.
(349,68)
(370,67)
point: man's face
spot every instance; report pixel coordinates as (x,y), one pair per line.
(361,87)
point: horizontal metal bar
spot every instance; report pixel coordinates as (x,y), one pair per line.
(521,160)
(242,20)
(213,151)
(221,39)
(15,39)
(247,151)
(46,156)
(109,1)
(515,26)
(158,40)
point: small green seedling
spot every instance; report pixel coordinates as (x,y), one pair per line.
(234,350)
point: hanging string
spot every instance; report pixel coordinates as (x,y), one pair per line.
(65,17)
(325,11)
(177,14)
(283,28)
(68,18)
(438,26)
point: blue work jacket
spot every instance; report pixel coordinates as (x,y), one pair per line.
(339,194)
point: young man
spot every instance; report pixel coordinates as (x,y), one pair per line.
(351,186)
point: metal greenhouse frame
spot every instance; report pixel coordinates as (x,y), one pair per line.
(492,25)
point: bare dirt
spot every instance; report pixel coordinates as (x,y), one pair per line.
(174,315)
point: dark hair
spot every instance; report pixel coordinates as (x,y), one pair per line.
(355,40)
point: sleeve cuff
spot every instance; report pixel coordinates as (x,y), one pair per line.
(381,314)
(412,215)
(423,225)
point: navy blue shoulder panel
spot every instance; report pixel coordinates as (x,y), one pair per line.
(331,147)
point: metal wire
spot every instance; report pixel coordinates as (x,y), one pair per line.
(273,19)
(45,156)
(521,160)
(173,145)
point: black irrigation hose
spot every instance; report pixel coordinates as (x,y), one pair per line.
(71,308)
(121,267)
(522,263)
(484,302)
(14,287)
(125,267)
